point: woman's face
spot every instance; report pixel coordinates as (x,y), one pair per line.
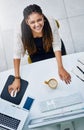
(36,22)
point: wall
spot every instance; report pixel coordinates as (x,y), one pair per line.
(69,13)
(3,65)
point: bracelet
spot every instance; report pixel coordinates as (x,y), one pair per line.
(17,77)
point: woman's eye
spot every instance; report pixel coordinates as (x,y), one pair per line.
(32,22)
(39,20)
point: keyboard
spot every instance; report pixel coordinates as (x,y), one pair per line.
(56,103)
(9,122)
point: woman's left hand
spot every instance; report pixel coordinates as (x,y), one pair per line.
(64,75)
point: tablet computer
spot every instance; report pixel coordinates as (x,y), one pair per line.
(5,94)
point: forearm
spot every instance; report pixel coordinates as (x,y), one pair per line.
(17,67)
(59,59)
(15,86)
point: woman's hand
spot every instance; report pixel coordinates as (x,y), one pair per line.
(14,86)
(64,75)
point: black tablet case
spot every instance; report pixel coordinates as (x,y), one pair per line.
(5,94)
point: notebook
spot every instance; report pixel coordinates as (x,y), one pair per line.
(5,94)
(12,117)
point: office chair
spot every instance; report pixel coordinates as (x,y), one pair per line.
(29,60)
(63,50)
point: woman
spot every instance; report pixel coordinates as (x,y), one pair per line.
(39,37)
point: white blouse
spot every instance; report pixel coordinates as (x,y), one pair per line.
(18,45)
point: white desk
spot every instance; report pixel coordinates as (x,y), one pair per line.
(37,73)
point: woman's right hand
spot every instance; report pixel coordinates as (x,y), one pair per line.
(14,86)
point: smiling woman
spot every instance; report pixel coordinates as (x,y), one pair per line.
(39,37)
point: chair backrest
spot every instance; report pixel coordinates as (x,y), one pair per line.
(58,25)
(29,60)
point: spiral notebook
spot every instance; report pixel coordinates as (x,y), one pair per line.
(5,94)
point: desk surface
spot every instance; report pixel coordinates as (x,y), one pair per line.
(37,73)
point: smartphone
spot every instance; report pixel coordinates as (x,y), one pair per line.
(28,103)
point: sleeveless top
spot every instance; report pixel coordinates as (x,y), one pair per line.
(41,54)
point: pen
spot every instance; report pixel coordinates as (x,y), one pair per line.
(81,62)
(80,69)
(79,78)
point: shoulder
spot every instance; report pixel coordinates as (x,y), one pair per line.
(52,22)
(18,38)
(51,19)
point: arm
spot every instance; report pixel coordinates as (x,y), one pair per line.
(16,83)
(18,53)
(64,75)
(17,67)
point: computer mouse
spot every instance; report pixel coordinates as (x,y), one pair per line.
(13,93)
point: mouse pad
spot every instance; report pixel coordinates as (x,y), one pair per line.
(5,94)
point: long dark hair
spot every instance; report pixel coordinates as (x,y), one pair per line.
(27,36)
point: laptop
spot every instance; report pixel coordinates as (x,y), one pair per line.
(12,117)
